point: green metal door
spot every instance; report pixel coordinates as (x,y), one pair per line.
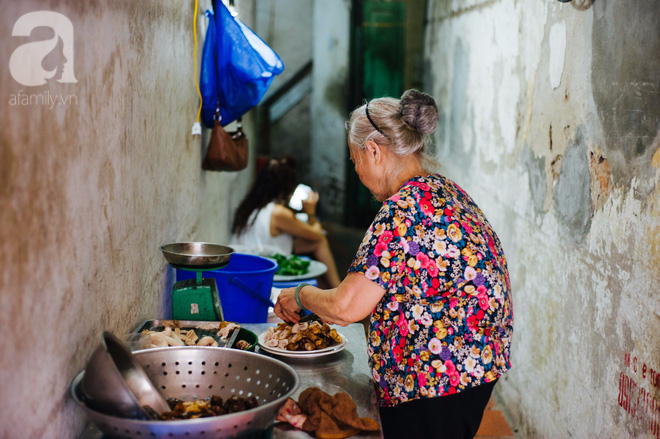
(378,56)
(384,43)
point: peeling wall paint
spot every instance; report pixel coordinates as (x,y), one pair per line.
(459,132)
(557,52)
(554,131)
(572,199)
(89,190)
(625,84)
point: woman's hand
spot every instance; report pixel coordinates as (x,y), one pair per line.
(309,204)
(286,307)
(353,300)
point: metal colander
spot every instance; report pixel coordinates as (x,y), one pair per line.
(190,373)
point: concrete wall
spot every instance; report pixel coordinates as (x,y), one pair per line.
(286,25)
(549,118)
(89,190)
(330,78)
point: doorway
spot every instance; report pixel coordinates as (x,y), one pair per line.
(387,40)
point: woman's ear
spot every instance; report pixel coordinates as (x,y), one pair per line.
(374,151)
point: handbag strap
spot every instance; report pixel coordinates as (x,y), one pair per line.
(217,97)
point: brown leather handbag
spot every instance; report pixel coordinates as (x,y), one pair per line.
(227,151)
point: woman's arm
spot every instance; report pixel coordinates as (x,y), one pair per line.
(352,301)
(283,220)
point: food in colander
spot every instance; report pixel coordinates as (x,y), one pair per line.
(206,408)
(301,336)
(173,335)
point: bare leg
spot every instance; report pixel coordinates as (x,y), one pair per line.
(322,253)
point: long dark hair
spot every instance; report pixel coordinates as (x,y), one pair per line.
(275,182)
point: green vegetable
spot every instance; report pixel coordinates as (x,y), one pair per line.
(291,266)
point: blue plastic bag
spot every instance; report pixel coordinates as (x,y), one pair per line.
(208,82)
(246,66)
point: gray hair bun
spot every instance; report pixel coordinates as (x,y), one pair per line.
(419,111)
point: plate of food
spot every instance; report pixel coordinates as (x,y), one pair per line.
(294,268)
(302,340)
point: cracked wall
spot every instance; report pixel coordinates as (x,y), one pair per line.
(550,119)
(90,190)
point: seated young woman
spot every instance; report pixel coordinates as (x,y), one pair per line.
(265,224)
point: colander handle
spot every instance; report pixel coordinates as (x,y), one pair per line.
(250,292)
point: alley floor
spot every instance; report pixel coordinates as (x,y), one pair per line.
(494,425)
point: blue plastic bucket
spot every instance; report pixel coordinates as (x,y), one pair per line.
(244,286)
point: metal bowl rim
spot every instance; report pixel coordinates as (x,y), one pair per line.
(164,250)
(118,377)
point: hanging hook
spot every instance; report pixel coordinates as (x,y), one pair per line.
(580,5)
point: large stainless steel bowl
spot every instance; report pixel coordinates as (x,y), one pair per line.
(116,383)
(192,372)
(196,255)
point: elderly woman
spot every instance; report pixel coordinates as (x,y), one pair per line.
(431,274)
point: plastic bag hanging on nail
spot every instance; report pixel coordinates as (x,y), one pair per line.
(237,67)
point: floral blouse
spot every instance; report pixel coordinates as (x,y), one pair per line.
(445,322)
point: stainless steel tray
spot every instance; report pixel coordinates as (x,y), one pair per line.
(200,329)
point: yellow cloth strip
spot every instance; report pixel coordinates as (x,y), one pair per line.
(199,93)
